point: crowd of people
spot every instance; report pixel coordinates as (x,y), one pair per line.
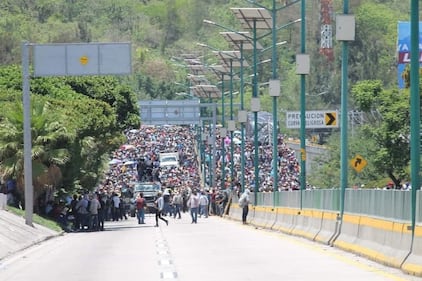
(288,165)
(138,160)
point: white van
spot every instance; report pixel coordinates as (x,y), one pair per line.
(169,159)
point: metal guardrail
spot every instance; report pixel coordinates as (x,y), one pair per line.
(388,204)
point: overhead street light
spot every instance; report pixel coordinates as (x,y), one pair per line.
(254,19)
(231,59)
(222,72)
(316,95)
(261,18)
(238,39)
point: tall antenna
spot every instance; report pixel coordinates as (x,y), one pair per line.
(326,47)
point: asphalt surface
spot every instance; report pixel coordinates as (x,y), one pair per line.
(213,249)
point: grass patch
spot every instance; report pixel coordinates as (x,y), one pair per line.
(51,224)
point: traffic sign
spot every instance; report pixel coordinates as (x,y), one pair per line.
(358,163)
(314,119)
(80,59)
(83,60)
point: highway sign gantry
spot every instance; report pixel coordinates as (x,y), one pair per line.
(314,119)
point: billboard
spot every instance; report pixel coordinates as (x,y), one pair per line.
(403,48)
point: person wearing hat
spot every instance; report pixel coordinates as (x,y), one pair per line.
(244,201)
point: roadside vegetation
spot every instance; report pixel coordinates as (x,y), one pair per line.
(51,224)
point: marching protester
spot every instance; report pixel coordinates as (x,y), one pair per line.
(140,208)
(159,207)
(193,204)
(203,204)
(178,203)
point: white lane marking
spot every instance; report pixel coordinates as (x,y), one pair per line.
(165,261)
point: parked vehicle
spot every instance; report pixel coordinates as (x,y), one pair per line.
(150,191)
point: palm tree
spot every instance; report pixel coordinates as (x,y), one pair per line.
(50,140)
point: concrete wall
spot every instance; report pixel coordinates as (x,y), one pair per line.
(3,201)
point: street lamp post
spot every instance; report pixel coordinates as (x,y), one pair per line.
(415,110)
(261,21)
(221,72)
(253,19)
(223,162)
(228,58)
(241,41)
(210,91)
(274,84)
(231,127)
(303,106)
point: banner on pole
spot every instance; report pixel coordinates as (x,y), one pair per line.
(403,49)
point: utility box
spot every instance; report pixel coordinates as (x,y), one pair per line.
(274,88)
(303,64)
(223,132)
(255,105)
(231,125)
(345,27)
(242,116)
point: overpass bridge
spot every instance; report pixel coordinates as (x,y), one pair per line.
(313,152)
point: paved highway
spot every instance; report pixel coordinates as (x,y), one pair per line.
(214,249)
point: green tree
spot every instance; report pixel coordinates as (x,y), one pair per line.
(388,127)
(50,140)
(108,89)
(375,45)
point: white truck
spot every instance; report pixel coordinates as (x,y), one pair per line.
(169,159)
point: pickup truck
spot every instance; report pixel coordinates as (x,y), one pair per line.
(150,191)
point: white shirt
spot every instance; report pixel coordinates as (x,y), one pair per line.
(116,201)
(203,200)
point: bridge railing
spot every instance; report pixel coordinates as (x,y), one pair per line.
(389,204)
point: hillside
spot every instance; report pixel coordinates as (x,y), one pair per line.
(161,31)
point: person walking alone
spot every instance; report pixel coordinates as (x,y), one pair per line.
(244,201)
(193,203)
(159,206)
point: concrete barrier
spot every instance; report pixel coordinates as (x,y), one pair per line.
(285,219)
(271,217)
(413,264)
(259,216)
(308,224)
(235,212)
(386,242)
(348,232)
(329,227)
(3,201)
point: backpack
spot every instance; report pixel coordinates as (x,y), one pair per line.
(242,201)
